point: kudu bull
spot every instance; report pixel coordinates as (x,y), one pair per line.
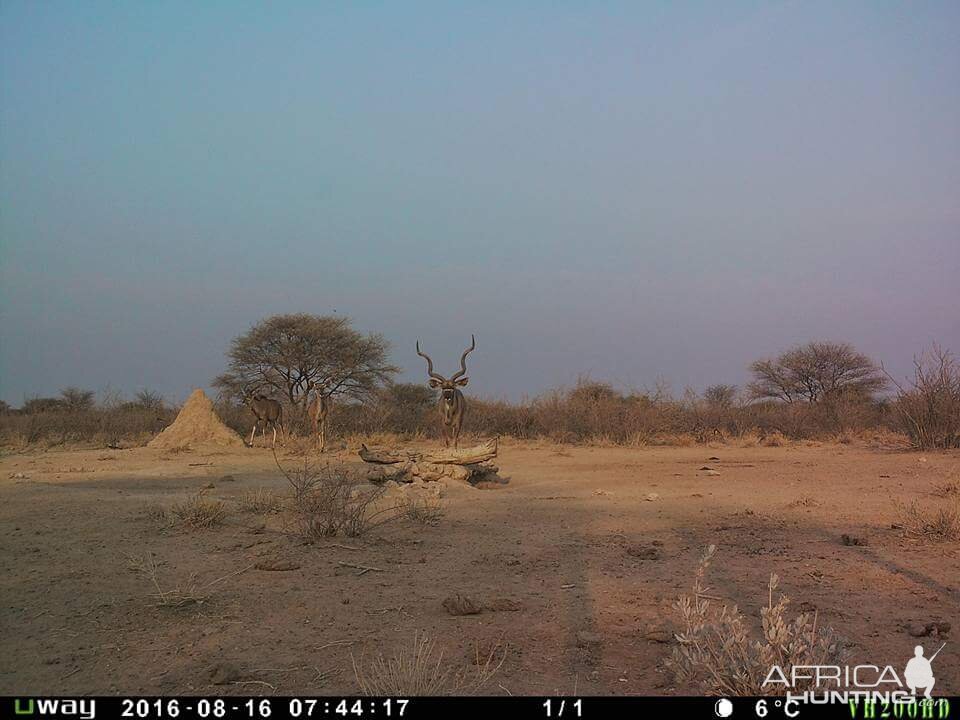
(266,412)
(452,405)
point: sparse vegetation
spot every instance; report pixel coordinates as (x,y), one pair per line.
(260,501)
(717,655)
(929,407)
(820,391)
(936,523)
(157,514)
(423,509)
(327,502)
(950,488)
(420,670)
(190,592)
(198,512)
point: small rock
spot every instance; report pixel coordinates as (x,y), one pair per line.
(918,630)
(504,605)
(652,497)
(658,635)
(644,553)
(277,565)
(224,673)
(853,540)
(227,478)
(461,605)
(935,629)
(586,638)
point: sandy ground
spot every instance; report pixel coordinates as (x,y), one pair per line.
(572,538)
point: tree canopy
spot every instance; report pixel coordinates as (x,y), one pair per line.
(816,372)
(299,355)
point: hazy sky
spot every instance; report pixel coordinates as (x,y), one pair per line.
(628,190)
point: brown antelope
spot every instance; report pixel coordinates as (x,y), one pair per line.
(452,405)
(319,411)
(267,412)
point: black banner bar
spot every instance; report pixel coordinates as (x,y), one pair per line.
(415,708)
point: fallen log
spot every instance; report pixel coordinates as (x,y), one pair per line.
(463,456)
(446,456)
(404,466)
(385,457)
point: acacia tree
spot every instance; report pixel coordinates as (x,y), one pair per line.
(815,372)
(720,397)
(74,399)
(299,355)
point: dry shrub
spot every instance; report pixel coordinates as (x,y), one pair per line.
(260,501)
(157,514)
(929,408)
(423,509)
(775,439)
(938,524)
(420,670)
(199,512)
(883,438)
(100,426)
(183,594)
(718,656)
(950,488)
(673,440)
(327,502)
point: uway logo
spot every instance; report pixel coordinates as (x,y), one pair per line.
(836,683)
(84,709)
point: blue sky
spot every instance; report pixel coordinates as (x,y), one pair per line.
(634,191)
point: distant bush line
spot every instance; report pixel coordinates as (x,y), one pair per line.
(791,398)
(591,412)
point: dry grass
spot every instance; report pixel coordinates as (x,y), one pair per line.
(260,502)
(182,595)
(327,502)
(950,488)
(157,514)
(423,510)
(198,512)
(938,524)
(775,439)
(420,670)
(718,656)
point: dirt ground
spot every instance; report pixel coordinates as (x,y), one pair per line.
(592,544)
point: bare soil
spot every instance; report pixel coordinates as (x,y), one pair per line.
(575,563)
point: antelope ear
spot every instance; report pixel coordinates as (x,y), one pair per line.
(434,383)
(462,382)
